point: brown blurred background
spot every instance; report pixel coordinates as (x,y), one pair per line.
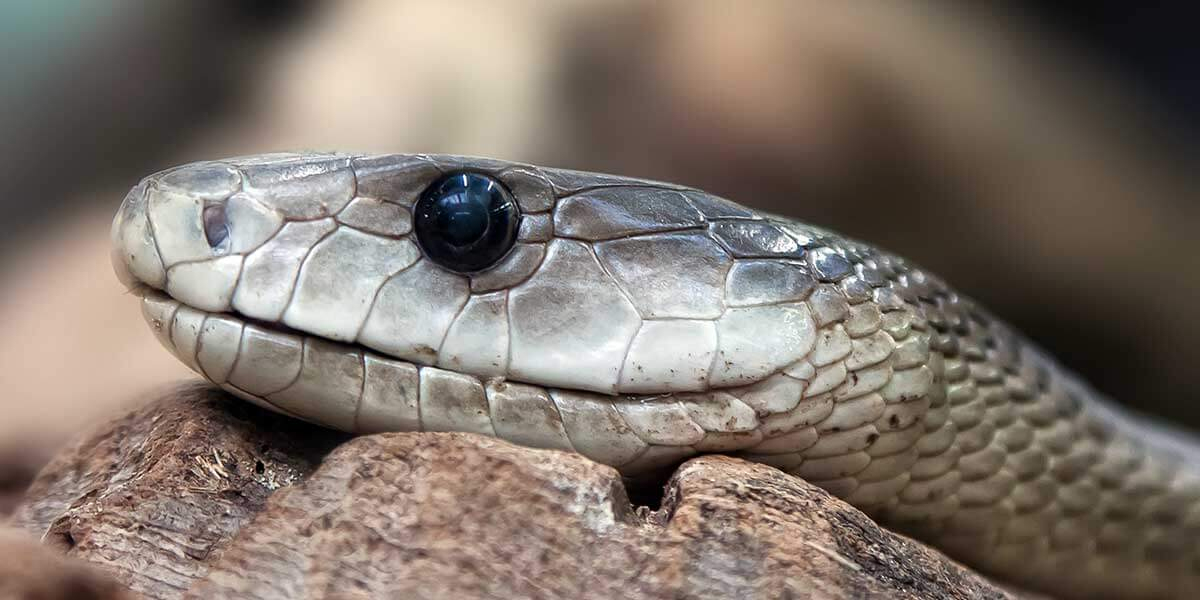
(1038,156)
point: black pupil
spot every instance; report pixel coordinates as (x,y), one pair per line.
(466,221)
(462,217)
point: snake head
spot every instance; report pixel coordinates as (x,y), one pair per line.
(634,321)
(600,283)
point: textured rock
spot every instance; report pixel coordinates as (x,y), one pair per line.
(201,496)
(28,570)
(152,496)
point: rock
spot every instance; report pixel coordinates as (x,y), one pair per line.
(29,570)
(198,495)
(153,495)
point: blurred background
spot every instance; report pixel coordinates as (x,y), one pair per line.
(1039,156)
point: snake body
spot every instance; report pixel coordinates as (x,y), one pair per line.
(640,323)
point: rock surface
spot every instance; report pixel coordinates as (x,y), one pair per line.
(31,571)
(198,495)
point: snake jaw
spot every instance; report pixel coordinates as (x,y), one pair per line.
(351,388)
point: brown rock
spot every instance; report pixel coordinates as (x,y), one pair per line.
(153,495)
(30,570)
(175,500)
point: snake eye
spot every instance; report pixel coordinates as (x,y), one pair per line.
(466,222)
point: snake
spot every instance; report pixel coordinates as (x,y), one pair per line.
(640,323)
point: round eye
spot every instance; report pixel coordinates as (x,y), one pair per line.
(466,222)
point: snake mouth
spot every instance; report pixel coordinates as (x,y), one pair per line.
(338,385)
(354,389)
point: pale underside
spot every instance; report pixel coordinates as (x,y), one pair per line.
(639,323)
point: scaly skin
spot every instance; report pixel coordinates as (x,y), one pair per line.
(639,323)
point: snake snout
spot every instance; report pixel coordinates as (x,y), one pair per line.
(120,249)
(134,253)
(187,231)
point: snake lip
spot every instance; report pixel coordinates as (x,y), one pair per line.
(142,290)
(275,326)
(147,292)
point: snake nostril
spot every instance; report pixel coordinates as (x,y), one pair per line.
(216,226)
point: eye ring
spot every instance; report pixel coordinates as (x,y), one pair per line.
(466,221)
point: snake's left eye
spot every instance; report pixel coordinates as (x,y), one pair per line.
(466,222)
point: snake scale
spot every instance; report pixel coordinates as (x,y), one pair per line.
(640,323)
